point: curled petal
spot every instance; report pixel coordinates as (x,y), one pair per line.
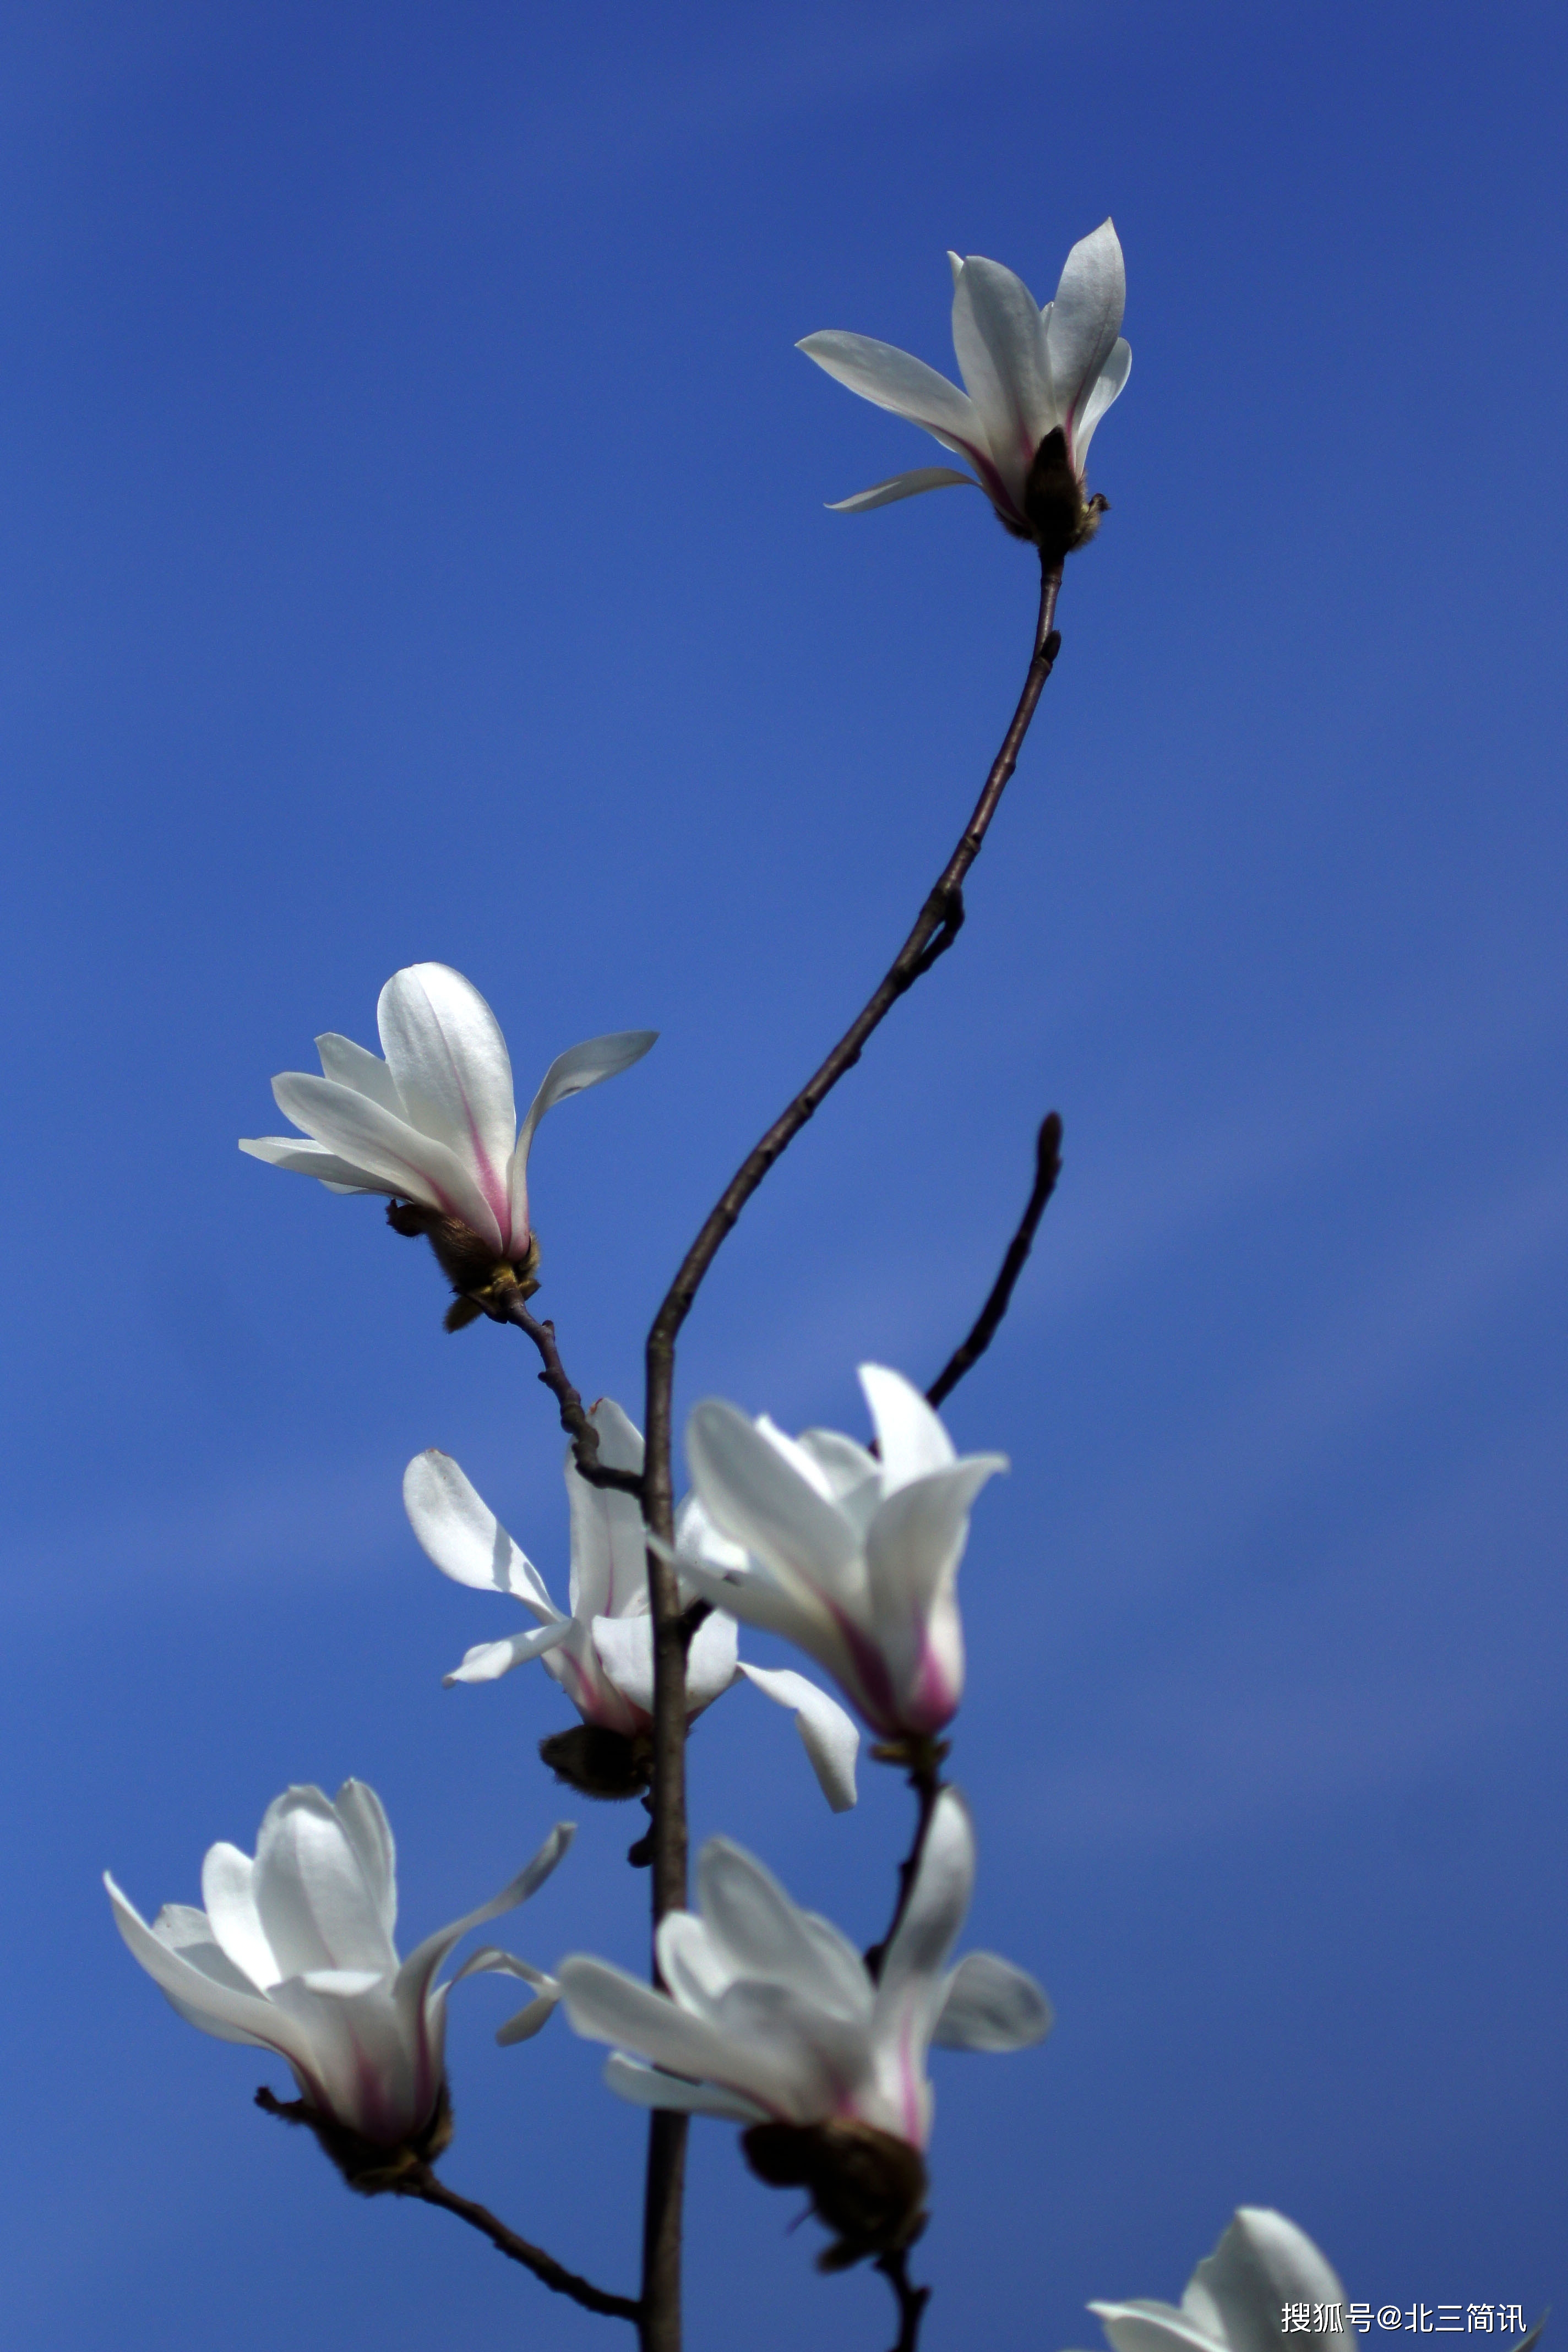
(902,485)
(992,2005)
(827,1734)
(463,1536)
(488,1661)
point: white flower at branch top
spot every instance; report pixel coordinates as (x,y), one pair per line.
(1237,2297)
(852,1555)
(1030,374)
(602,1655)
(435,1123)
(773,2018)
(294,1953)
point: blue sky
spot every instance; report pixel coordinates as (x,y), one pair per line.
(414,547)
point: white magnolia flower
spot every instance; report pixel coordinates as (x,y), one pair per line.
(1029,371)
(1237,2297)
(434,1122)
(602,1655)
(773,2016)
(294,1953)
(852,1555)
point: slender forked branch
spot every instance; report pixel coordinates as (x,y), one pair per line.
(574,1419)
(1047,1167)
(912,2300)
(935,930)
(422,2182)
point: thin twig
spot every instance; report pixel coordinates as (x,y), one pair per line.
(1047,1167)
(925,1779)
(936,927)
(422,2182)
(912,2300)
(574,1418)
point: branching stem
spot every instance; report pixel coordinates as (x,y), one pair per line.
(574,1418)
(422,2182)
(912,2300)
(936,929)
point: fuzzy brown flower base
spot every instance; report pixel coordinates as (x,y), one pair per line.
(865,2185)
(481,1281)
(369,2166)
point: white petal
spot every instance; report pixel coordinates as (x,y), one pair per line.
(829,1735)
(464,1537)
(368,2065)
(909,1434)
(605,2004)
(609,1547)
(757,1601)
(902,485)
(650,2086)
(1153,2328)
(696,1969)
(414,1977)
(488,1661)
(992,2005)
(369,1833)
(955,263)
(228,1891)
(758,1498)
(763,1936)
(394,1156)
(710,1661)
(1262,2262)
(624,1646)
(1109,385)
(1084,321)
(349,1065)
(181,1929)
(316,1907)
(1000,339)
(214,2008)
(528,2020)
(846,1468)
(448,1058)
(895,380)
(302,1158)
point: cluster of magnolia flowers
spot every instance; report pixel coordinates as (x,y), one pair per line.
(765,2014)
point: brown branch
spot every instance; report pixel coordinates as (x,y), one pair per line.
(422,2182)
(912,2300)
(925,1779)
(1047,1167)
(936,927)
(574,1418)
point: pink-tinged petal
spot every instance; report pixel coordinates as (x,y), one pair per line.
(448,1059)
(1084,321)
(368,2072)
(464,1537)
(395,1157)
(1108,387)
(605,2004)
(574,1664)
(902,485)
(1000,339)
(910,1990)
(827,1734)
(912,1551)
(839,1648)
